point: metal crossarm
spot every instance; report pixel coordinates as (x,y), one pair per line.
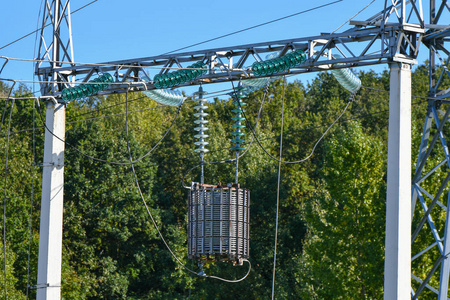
(362,45)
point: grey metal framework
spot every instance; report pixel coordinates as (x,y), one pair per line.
(431,265)
(394,34)
(55,46)
(219,223)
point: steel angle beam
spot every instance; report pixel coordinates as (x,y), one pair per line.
(430,185)
(360,46)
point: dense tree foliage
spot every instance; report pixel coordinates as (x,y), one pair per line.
(331,219)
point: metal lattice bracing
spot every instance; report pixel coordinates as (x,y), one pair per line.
(384,38)
(55,46)
(219,221)
(430,184)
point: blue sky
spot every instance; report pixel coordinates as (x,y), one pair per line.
(111,30)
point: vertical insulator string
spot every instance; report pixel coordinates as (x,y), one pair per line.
(201,128)
(238,132)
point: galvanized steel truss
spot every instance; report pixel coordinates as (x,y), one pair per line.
(370,42)
(431,265)
(394,34)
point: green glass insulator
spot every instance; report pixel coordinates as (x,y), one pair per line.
(177,78)
(69,94)
(268,67)
(299,56)
(83,91)
(165,81)
(238,141)
(238,126)
(103,80)
(95,87)
(238,118)
(281,64)
(64,94)
(204,68)
(183,77)
(291,61)
(192,73)
(157,81)
(238,110)
(108,78)
(296,57)
(90,89)
(256,69)
(263,68)
(237,148)
(277,65)
(197,73)
(238,133)
(172,79)
(76,93)
(189,75)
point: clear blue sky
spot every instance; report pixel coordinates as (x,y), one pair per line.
(115,29)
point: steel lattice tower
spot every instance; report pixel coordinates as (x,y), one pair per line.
(430,183)
(391,37)
(55,47)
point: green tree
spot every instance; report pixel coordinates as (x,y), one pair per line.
(343,251)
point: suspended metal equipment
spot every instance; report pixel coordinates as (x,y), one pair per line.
(219,215)
(219,223)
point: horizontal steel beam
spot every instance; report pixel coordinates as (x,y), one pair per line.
(359,46)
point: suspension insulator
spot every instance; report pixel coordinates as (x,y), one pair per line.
(166,97)
(279,64)
(201,122)
(346,78)
(238,118)
(86,90)
(257,82)
(179,77)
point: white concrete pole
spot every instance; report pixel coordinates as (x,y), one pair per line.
(397,267)
(50,233)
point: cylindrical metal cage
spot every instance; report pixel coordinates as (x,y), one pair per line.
(219,221)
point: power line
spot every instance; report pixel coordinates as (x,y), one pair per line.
(33,174)
(104,160)
(353,16)
(153,219)
(278,194)
(5,190)
(27,35)
(255,26)
(100,65)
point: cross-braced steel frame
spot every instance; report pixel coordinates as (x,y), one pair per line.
(430,184)
(392,36)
